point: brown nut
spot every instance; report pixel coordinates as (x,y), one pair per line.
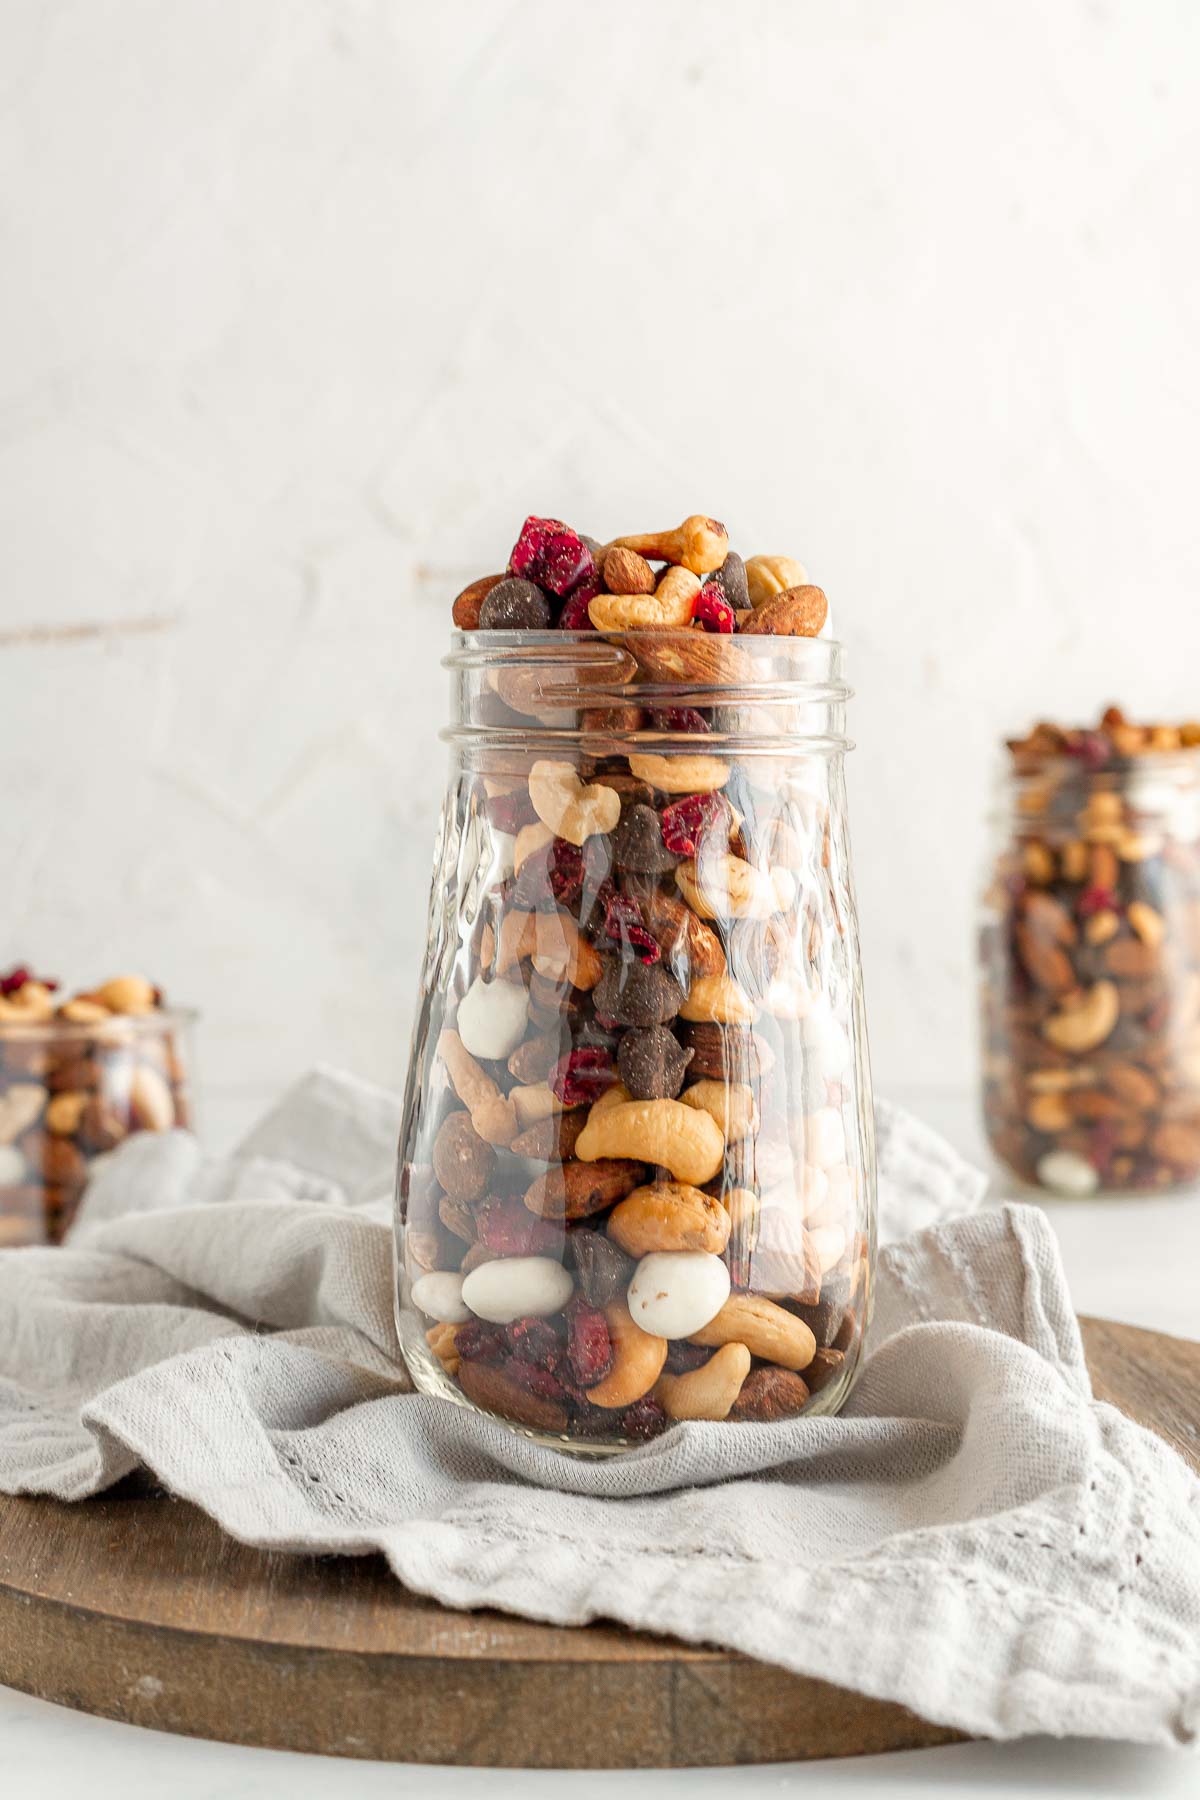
(1047,964)
(567,806)
(625,572)
(19,1107)
(768,1394)
(669,1216)
(797,612)
(1135,1086)
(465,612)
(768,1331)
(669,608)
(83,1012)
(699,658)
(101,1127)
(681,774)
(151,1101)
(728,887)
(1084,1023)
(563,955)
(533,1060)
(576,1190)
(727,1052)
(699,544)
(638,1357)
(492,1114)
(664,1133)
(684,939)
(708,1392)
(825,1365)
(64,1112)
(1132,960)
(126,994)
(1177,1142)
(717,999)
(462,1162)
(441,1341)
(490,1387)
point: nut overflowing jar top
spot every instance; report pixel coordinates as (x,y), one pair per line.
(687,579)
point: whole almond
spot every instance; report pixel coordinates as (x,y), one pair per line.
(466,608)
(496,1391)
(769,1393)
(625,572)
(797,612)
(552,1139)
(707,658)
(576,1190)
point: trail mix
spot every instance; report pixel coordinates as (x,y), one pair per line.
(636,1162)
(78,1074)
(1090,955)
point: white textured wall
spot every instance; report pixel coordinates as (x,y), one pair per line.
(303,305)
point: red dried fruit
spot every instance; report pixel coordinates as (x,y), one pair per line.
(679,718)
(644,1420)
(535,1341)
(1091,748)
(712,609)
(18,977)
(581,1076)
(553,555)
(508,812)
(566,871)
(553,874)
(623,925)
(533,1379)
(589,1345)
(686,822)
(1096,900)
(574,615)
(477,1342)
(510,1229)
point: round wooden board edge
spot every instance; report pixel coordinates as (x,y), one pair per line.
(528,1711)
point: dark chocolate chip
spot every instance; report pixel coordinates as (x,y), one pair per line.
(652,1063)
(637,843)
(604,1271)
(635,993)
(731,579)
(515,605)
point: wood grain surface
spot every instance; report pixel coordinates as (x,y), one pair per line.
(135,1606)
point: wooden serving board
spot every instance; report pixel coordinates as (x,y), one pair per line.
(136,1607)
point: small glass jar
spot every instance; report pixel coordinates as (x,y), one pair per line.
(69,1093)
(637,1178)
(1090,958)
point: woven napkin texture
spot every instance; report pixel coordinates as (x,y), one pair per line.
(975,1536)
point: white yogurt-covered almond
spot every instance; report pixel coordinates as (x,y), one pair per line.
(676,1292)
(492,1017)
(439,1296)
(517,1287)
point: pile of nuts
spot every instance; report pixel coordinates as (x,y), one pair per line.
(1090,953)
(77,1076)
(635,1190)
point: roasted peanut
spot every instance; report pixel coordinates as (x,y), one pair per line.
(669,1216)
(568,808)
(663,1132)
(637,1362)
(708,1392)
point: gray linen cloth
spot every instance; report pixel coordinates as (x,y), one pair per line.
(975,1537)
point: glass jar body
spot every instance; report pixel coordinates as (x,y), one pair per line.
(72,1092)
(636,1175)
(1090,967)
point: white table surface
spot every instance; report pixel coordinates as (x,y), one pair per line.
(1138,1261)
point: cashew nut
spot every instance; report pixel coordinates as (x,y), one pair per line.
(730,1103)
(493,1116)
(1085,1023)
(727,887)
(668,608)
(767,1330)
(568,808)
(669,1216)
(709,1391)
(19,1107)
(767,576)
(126,994)
(562,954)
(718,999)
(699,544)
(517,940)
(534,1104)
(681,774)
(31,1004)
(664,1132)
(637,1362)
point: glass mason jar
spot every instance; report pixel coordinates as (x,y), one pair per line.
(70,1092)
(637,1177)
(1089,951)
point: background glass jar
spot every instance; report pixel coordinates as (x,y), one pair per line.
(1090,961)
(70,1092)
(637,1176)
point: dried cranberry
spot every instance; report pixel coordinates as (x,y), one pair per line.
(553,874)
(575,615)
(1102,1145)
(685,822)
(553,555)
(683,1357)
(589,1345)
(623,925)
(1095,900)
(644,1420)
(679,718)
(512,1230)
(508,812)
(566,871)
(1091,748)
(581,1076)
(712,608)
(534,1379)
(535,1341)
(478,1342)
